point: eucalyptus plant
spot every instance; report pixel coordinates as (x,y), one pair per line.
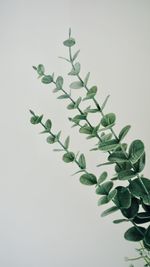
(132,200)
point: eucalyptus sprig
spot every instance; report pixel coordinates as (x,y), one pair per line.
(133,200)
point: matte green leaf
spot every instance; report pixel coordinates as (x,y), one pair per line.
(147,236)
(136,150)
(67,141)
(58,136)
(59,82)
(124,132)
(123,197)
(137,189)
(140,164)
(108,119)
(88,179)
(104,104)
(142,217)
(69,42)
(104,188)
(36,119)
(75,70)
(112,194)
(109,211)
(126,175)
(75,55)
(51,139)
(77,103)
(86,79)
(47,79)
(135,234)
(40,69)
(102,177)
(132,211)
(109,145)
(123,166)
(120,221)
(71,106)
(118,157)
(68,157)
(48,125)
(76,85)
(82,161)
(65,96)
(91,93)
(103,200)
(86,129)
(106,137)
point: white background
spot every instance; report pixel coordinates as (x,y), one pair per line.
(47,218)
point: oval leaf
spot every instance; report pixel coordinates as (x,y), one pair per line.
(135,234)
(76,85)
(108,119)
(47,79)
(88,179)
(124,132)
(136,150)
(69,42)
(104,188)
(68,157)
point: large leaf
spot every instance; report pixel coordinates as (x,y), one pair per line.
(109,211)
(135,234)
(88,179)
(91,93)
(118,157)
(108,119)
(132,211)
(124,132)
(123,197)
(136,150)
(68,157)
(126,175)
(140,164)
(138,190)
(109,145)
(104,188)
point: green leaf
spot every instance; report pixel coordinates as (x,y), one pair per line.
(136,188)
(82,161)
(48,125)
(67,141)
(78,118)
(147,236)
(91,93)
(112,194)
(120,221)
(118,157)
(65,96)
(75,70)
(103,200)
(75,55)
(40,69)
(126,175)
(47,79)
(58,136)
(68,157)
(71,106)
(109,145)
(76,85)
(135,234)
(102,177)
(104,104)
(77,103)
(51,139)
(109,211)
(124,132)
(132,211)
(136,150)
(123,197)
(108,119)
(69,42)
(86,129)
(140,164)
(123,166)
(104,188)
(86,79)
(59,82)
(36,119)
(142,217)
(88,179)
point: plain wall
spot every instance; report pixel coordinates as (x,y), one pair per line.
(47,217)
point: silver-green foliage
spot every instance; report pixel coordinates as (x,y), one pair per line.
(128,161)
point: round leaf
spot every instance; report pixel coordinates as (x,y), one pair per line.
(40,69)
(134,234)
(47,79)
(108,119)
(68,157)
